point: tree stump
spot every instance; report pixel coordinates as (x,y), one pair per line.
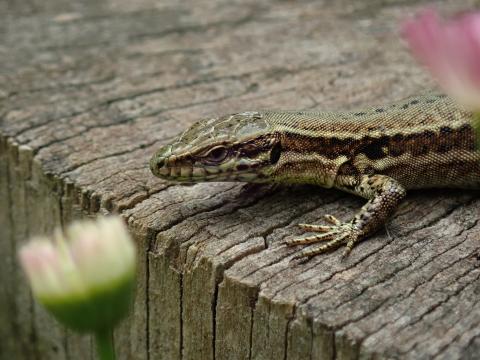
(91,89)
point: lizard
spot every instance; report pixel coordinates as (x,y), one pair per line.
(377,153)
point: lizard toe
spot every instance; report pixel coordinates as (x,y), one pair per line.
(303,240)
(322,248)
(316,228)
(331,237)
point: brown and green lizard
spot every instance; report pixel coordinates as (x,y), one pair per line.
(377,153)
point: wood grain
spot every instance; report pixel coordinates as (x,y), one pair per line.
(90,89)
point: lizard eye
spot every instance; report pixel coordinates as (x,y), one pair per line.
(217,154)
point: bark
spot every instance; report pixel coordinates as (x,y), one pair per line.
(91,89)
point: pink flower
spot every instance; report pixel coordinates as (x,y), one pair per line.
(43,267)
(450,50)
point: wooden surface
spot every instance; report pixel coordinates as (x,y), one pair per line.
(89,90)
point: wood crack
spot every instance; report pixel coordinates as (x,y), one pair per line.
(205,80)
(194,28)
(454,339)
(447,297)
(61,87)
(363,258)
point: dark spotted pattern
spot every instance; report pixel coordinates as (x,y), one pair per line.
(376,148)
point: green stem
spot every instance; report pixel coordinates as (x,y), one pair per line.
(476,128)
(104,340)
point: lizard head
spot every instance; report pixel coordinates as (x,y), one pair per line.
(238,147)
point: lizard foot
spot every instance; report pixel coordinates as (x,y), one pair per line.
(333,235)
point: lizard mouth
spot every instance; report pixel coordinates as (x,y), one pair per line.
(173,169)
(166,167)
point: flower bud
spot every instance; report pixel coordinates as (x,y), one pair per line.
(84,277)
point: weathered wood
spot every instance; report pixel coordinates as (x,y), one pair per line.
(90,91)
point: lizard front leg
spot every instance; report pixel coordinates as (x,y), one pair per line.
(384,194)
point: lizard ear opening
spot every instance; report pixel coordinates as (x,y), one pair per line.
(275,153)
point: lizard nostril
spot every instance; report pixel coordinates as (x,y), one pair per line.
(160,163)
(156,164)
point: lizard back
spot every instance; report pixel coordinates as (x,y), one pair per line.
(421,142)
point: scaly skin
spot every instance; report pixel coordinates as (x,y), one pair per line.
(378,153)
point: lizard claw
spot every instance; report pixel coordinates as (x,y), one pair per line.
(332,237)
(332,220)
